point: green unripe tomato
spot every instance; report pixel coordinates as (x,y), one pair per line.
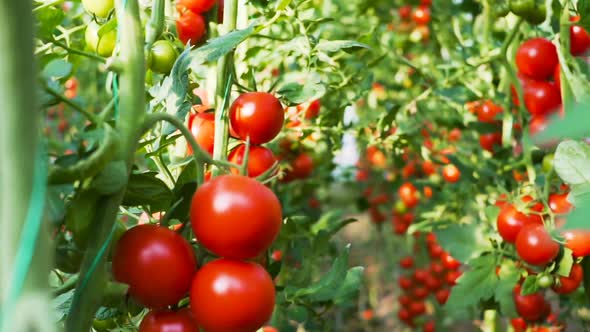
(501,8)
(162,56)
(99,8)
(102,45)
(537,15)
(545,280)
(531,11)
(548,162)
(522,7)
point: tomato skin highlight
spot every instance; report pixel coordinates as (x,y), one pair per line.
(578,241)
(260,159)
(202,126)
(489,141)
(451,173)
(537,58)
(559,204)
(579,40)
(156,263)
(232,295)
(535,246)
(408,194)
(235,216)
(421,15)
(258,115)
(510,222)
(168,320)
(568,285)
(190,27)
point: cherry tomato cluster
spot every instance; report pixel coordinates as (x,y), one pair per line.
(436,277)
(415,20)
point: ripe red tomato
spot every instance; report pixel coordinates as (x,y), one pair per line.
(258,115)
(429,326)
(488,112)
(510,222)
(559,204)
(301,168)
(405,282)
(518,324)
(442,296)
(196,6)
(202,126)
(404,300)
(420,292)
(190,27)
(421,15)
(433,283)
(579,40)
(569,284)
(420,276)
(407,262)
(232,295)
(235,217)
(536,58)
(557,77)
(542,98)
(490,140)
(578,241)
(408,194)
(451,173)
(157,264)
(167,320)
(405,316)
(417,308)
(436,268)
(529,306)
(449,262)
(310,109)
(405,12)
(535,245)
(260,159)
(537,124)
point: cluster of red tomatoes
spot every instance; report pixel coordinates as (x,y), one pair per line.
(191,25)
(439,273)
(415,20)
(233,217)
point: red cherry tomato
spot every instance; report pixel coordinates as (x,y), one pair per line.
(579,40)
(407,262)
(537,124)
(260,159)
(157,264)
(232,295)
(433,283)
(405,12)
(449,262)
(529,306)
(535,246)
(536,58)
(578,241)
(202,126)
(442,296)
(167,320)
(417,308)
(310,109)
(420,275)
(488,112)
(405,282)
(301,168)
(258,115)
(404,300)
(489,141)
(196,6)
(190,27)
(420,292)
(235,217)
(429,326)
(405,316)
(421,15)
(510,222)
(542,98)
(518,324)
(451,173)
(569,284)
(559,204)
(408,194)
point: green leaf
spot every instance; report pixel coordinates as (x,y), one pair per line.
(296,93)
(331,222)
(283,4)
(529,286)
(47,20)
(61,304)
(573,125)
(220,46)
(579,194)
(175,91)
(297,313)
(57,69)
(112,178)
(147,189)
(564,266)
(578,218)
(504,290)
(461,241)
(105,313)
(350,286)
(330,46)
(475,285)
(572,162)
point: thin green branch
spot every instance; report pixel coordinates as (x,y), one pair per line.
(91,117)
(79,52)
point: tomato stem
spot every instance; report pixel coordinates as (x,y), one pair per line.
(155,27)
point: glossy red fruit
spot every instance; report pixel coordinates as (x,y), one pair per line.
(421,15)
(405,12)
(537,124)
(429,326)
(260,159)
(449,262)
(452,276)
(490,141)
(433,283)
(405,316)
(310,109)
(542,98)
(408,194)
(235,216)
(168,320)
(518,324)
(535,245)
(420,292)
(530,306)
(578,241)
(559,204)
(190,27)
(488,112)
(579,40)
(232,295)
(417,308)
(420,275)
(536,58)
(569,284)
(405,282)
(156,263)
(442,296)
(451,173)
(510,222)
(301,167)
(404,300)
(258,115)
(202,126)
(407,262)
(196,6)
